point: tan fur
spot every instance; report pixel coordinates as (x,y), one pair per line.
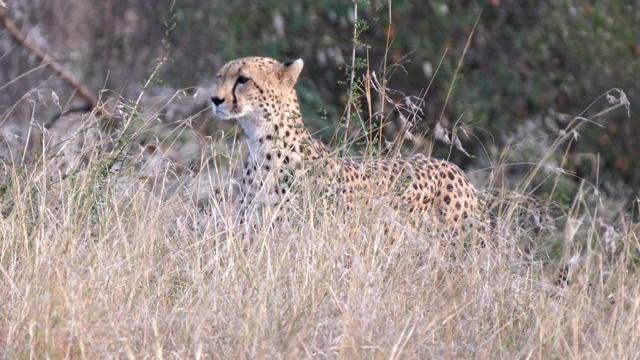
(259,93)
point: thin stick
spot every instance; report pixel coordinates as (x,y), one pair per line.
(456,74)
(50,62)
(353,75)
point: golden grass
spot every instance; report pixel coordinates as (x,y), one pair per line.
(97,266)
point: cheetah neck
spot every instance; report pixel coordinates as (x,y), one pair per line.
(280,133)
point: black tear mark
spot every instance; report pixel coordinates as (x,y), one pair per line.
(233,92)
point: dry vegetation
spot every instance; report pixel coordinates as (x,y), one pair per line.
(105,255)
(114,247)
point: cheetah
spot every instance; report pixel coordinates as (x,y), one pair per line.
(259,93)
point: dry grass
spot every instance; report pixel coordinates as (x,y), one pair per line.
(98,263)
(116,264)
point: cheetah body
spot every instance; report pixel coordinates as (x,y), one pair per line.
(259,93)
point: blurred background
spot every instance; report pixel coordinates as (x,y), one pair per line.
(530,67)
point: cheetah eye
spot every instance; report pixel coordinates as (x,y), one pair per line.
(242,79)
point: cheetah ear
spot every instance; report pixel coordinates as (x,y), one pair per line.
(289,71)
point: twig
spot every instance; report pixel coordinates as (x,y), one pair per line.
(50,62)
(453,82)
(343,151)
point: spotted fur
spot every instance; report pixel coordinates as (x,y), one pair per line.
(259,93)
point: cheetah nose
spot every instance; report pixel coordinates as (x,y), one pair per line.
(216,100)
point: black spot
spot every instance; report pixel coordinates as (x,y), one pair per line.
(458,206)
(286,159)
(449,187)
(465,215)
(287,133)
(268,157)
(443,175)
(415,186)
(267,167)
(455,218)
(269,137)
(447,199)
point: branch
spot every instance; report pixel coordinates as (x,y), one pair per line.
(50,62)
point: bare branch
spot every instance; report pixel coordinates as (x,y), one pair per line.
(49,61)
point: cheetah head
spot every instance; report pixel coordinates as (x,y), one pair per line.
(253,88)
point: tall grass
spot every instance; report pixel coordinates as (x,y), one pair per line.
(121,264)
(88,271)
(112,249)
